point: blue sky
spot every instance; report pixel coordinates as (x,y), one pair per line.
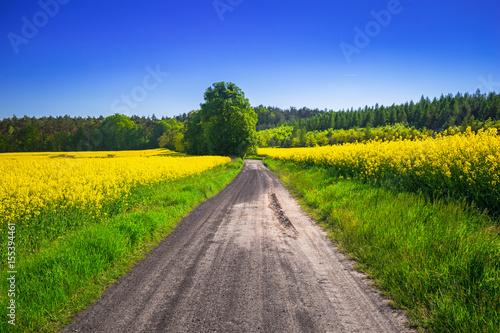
(90,58)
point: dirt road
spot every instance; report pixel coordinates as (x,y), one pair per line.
(247,260)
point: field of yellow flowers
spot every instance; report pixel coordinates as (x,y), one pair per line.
(464,165)
(37,187)
(72,223)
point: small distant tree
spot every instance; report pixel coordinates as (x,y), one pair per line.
(264,116)
(225,125)
(170,134)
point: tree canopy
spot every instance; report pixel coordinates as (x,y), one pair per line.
(225,125)
(169,134)
(119,132)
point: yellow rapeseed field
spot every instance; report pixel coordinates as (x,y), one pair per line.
(463,165)
(32,183)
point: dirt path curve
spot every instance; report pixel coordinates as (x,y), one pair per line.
(247,260)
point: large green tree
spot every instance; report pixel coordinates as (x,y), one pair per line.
(225,125)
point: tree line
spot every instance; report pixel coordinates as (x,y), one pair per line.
(410,120)
(226,113)
(437,115)
(65,133)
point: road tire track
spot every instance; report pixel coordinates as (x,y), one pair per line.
(247,260)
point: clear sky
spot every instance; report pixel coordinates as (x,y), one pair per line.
(90,58)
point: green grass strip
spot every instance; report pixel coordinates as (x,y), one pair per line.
(440,261)
(65,278)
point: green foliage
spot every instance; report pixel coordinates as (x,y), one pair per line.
(119,132)
(193,137)
(439,261)
(31,137)
(170,133)
(287,136)
(275,137)
(225,125)
(264,116)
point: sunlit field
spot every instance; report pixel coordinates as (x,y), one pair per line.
(464,165)
(75,222)
(45,194)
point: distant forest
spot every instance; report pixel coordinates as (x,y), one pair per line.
(120,132)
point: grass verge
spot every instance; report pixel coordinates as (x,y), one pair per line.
(56,283)
(439,261)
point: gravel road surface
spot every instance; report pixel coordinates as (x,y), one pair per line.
(247,260)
